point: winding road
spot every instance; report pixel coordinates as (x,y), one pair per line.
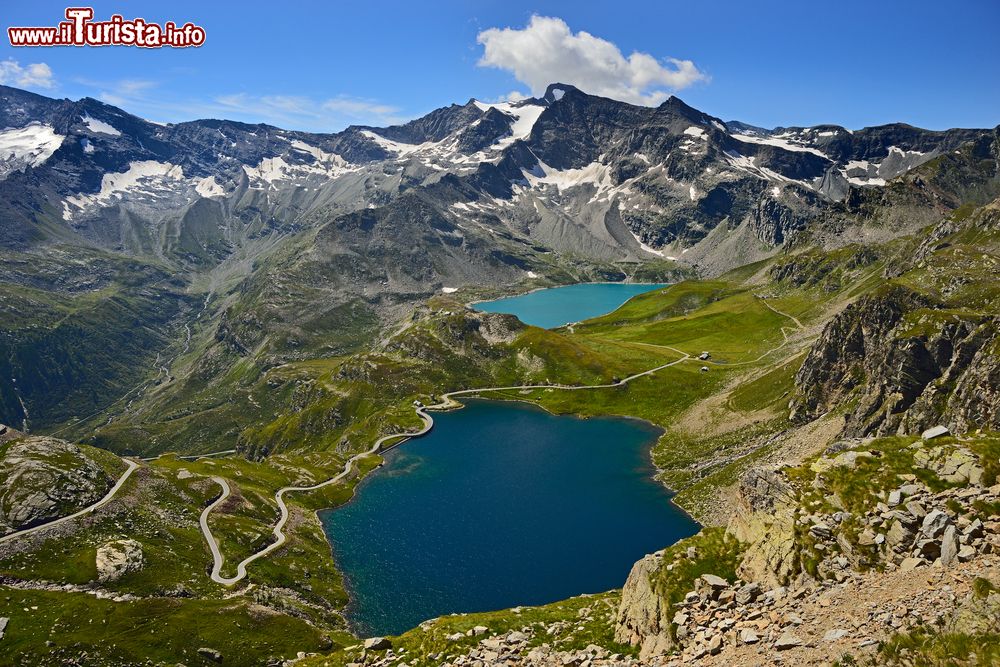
(132,465)
(447,402)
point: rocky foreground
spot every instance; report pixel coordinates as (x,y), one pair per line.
(836,557)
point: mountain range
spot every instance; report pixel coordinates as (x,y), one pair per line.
(294,237)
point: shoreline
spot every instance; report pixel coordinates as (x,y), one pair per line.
(472,304)
(656,432)
(447,402)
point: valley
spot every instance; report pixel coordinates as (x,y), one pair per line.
(301,303)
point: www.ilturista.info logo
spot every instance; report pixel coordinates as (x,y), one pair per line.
(81,30)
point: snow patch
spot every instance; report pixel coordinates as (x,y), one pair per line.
(208,188)
(643,246)
(854,180)
(557,93)
(780,141)
(100,127)
(399,148)
(696,132)
(320,155)
(272,169)
(144,174)
(595,174)
(525,117)
(532,274)
(28,146)
(904,153)
(449,290)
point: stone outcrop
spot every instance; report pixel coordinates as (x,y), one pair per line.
(643,618)
(118,558)
(765,521)
(43,478)
(905,366)
(801,541)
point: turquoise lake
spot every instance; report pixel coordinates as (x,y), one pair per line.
(557,306)
(501,504)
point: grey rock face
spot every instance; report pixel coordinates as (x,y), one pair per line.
(902,383)
(643,618)
(43,478)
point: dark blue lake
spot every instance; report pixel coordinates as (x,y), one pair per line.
(557,306)
(501,504)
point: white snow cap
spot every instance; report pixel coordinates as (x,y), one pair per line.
(27,146)
(100,127)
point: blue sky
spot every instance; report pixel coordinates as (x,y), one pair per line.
(323,65)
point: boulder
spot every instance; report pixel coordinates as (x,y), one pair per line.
(715,582)
(974,530)
(977,616)
(3,625)
(747,593)
(210,654)
(786,641)
(916,510)
(935,432)
(949,546)
(118,558)
(850,459)
(377,644)
(899,536)
(643,617)
(934,524)
(821,531)
(928,549)
(43,478)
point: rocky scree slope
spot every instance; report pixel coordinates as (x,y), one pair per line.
(815,543)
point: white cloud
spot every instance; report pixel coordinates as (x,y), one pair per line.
(33,75)
(513,96)
(292,111)
(547,51)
